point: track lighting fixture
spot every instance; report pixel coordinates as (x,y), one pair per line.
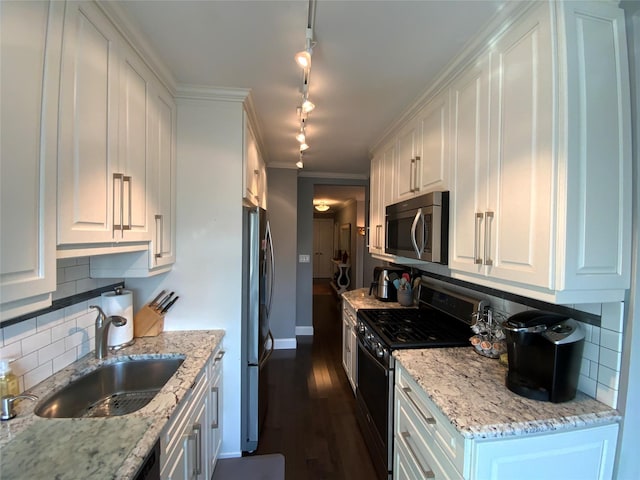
(307,106)
(303,59)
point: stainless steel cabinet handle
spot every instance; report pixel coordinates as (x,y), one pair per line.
(159,236)
(216,423)
(487,239)
(411,170)
(117,177)
(416,182)
(427,473)
(429,420)
(126,179)
(476,240)
(219,356)
(197,430)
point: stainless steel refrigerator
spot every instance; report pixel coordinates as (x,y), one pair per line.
(257,340)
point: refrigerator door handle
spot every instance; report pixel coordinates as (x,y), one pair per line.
(267,353)
(272,274)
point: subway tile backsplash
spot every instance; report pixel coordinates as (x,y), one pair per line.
(44,345)
(602,355)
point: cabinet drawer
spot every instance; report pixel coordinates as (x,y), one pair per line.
(438,426)
(418,447)
(348,312)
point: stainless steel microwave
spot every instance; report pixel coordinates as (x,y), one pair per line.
(418,228)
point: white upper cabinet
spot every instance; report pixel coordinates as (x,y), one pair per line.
(163,184)
(422,163)
(255,175)
(469,156)
(30,51)
(103,160)
(502,188)
(554,221)
(539,149)
(433,165)
(381,194)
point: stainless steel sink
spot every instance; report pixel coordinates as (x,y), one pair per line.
(111,390)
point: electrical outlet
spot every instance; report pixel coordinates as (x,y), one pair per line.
(304,258)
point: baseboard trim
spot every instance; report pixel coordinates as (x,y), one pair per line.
(285,344)
(304,331)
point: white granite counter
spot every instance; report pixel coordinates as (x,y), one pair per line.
(470,390)
(360,298)
(101,448)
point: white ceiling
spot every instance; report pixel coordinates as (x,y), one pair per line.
(372,60)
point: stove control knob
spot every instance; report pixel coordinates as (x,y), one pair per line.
(361,328)
(379,351)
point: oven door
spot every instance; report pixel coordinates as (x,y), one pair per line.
(375,384)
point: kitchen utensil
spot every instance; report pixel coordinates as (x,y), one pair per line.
(157,298)
(169,305)
(164,302)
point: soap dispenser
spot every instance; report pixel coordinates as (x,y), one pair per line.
(8,381)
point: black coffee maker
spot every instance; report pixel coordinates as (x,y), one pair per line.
(544,351)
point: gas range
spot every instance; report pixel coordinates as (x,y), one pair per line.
(415,328)
(443,319)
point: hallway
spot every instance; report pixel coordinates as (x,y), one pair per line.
(311,417)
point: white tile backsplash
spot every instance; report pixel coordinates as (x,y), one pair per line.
(44,345)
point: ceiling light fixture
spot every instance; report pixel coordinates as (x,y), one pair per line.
(301,136)
(303,147)
(307,106)
(322,207)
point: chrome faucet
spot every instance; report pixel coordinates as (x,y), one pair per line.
(102,329)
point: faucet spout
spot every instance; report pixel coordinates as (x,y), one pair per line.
(102,329)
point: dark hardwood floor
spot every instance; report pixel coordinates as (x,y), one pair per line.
(311,417)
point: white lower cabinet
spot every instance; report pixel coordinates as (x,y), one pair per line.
(349,342)
(427,445)
(215,410)
(191,440)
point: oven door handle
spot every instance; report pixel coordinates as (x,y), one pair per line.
(372,358)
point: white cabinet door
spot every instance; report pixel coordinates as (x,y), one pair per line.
(163,207)
(469,151)
(585,454)
(433,151)
(88,141)
(375,205)
(409,154)
(254,171)
(104,165)
(31,34)
(134,159)
(518,220)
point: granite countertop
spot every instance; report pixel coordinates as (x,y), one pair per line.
(102,448)
(469,389)
(360,298)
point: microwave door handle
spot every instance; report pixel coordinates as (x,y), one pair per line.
(414,227)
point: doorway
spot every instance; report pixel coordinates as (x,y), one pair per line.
(322,247)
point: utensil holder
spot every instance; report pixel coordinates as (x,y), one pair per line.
(147,322)
(405,298)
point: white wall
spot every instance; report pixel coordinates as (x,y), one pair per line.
(208,270)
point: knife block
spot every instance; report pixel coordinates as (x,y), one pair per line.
(147,322)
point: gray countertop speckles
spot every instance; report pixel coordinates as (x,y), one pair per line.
(35,447)
(469,389)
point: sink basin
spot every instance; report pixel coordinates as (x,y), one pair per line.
(110,390)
